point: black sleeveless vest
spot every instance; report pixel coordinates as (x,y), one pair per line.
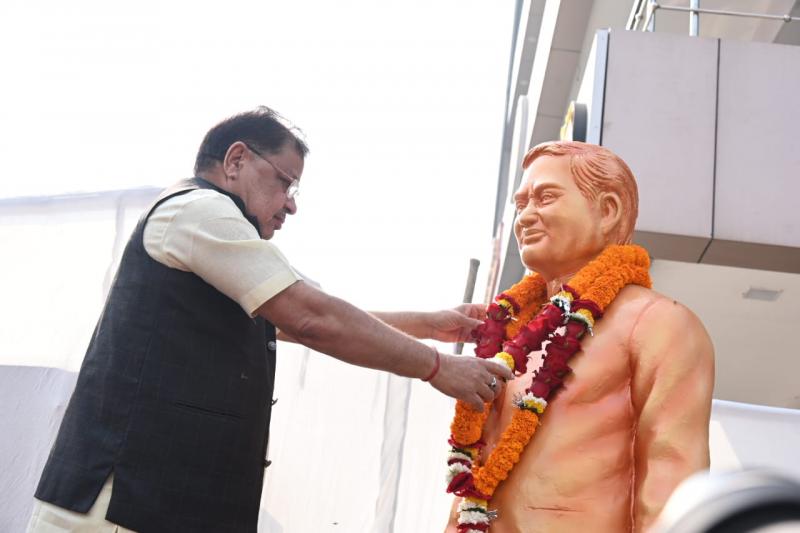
(173,398)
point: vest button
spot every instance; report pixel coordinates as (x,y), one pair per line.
(267,463)
(271,346)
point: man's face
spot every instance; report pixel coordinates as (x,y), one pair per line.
(262,185)
(557,228)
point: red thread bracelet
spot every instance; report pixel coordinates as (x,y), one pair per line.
(435,366)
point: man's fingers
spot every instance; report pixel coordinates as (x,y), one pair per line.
(486,393)
(476,403)
(499,370)
(473,310)
(469,379)
(471,323)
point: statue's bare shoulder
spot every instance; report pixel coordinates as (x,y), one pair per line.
(650,317)
(667,342)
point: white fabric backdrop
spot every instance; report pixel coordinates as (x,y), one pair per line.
(331,427)
(33,401)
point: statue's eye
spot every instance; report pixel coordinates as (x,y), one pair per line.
(546,197)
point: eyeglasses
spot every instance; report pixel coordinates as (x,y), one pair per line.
(292,188)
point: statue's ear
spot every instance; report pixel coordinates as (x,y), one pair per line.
(610,214)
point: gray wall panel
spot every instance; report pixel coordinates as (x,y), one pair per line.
(660,117)
(758,151)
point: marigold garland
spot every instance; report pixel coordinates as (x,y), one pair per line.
(467,425)
(501,460)
(518,314)
(531,289)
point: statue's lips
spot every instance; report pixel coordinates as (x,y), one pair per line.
(530,237)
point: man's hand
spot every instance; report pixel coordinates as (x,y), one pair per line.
(469,379)
(455,325)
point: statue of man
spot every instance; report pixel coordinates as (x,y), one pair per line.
(631,419)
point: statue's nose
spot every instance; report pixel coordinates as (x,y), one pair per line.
(528,214)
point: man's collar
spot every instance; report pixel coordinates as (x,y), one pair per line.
(205,184)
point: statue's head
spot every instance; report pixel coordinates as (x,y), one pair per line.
(575,199)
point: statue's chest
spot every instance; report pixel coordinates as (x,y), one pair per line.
(602,367)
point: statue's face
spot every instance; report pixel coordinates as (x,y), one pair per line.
(557,228)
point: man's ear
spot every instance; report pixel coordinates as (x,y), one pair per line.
(610,214)
(233,160)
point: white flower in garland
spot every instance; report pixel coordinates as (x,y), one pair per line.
(562,300)
(531,402)
(458,455)
(456,468)
(503,359)
(473,512)
(468,504)
(584,316)
(473,517)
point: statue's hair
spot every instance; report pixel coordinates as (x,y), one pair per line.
(596,170)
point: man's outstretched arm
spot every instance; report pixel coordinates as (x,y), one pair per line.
(673,379)
(447,325)
(334,327)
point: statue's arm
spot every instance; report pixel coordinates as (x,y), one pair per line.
(672,384)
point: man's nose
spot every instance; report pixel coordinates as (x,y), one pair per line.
(291,206)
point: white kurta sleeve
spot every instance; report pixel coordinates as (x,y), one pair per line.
(204,232)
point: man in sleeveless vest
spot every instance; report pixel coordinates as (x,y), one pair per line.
(167,428)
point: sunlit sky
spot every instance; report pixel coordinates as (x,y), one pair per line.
(401,103)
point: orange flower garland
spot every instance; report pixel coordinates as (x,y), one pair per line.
(468,424)
(529,293)
(601,280)
(518,315)
(507,452)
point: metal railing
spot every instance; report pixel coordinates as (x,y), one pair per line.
(645,10)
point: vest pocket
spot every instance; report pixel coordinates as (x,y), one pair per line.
(198,409)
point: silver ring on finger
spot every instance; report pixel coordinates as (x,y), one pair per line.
(493,383)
